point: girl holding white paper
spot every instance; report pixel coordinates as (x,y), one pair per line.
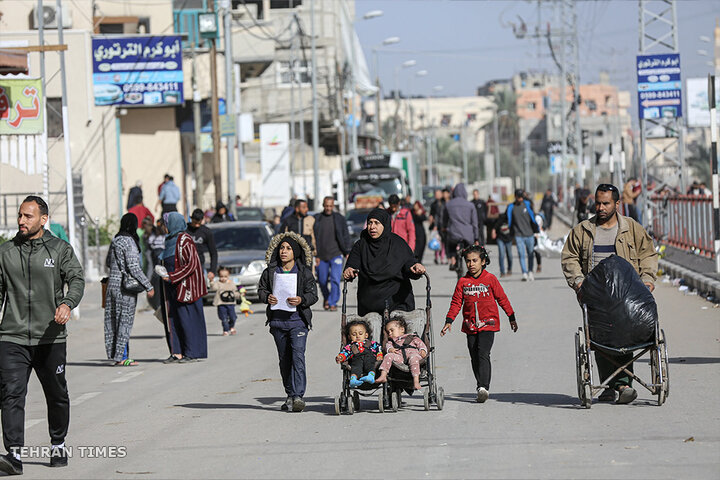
(288,313)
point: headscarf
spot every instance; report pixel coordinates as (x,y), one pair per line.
(128,228)
(383,258)
(175,224)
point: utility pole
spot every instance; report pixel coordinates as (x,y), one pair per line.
(217,167)
(230,103)
(45,173)
(496,140)
(315,119)
(301,123)
(526,162)
(714,170)
(199,173)
(464,153)
(66,131)
(659,34)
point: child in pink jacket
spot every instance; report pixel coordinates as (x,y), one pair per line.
(402,348)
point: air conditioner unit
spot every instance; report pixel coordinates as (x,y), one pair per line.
(50,17)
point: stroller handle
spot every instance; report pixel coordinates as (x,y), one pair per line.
(428,302)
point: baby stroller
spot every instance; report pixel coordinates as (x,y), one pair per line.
(419,322)
(657,348)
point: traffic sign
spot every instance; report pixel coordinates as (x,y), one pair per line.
(659,86)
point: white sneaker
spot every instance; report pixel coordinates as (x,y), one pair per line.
(531,277)
(525,277)
(482,395)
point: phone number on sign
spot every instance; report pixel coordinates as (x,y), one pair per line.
(151,87)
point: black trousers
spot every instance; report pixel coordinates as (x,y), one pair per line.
(362,363)
(16,364)
(479,346)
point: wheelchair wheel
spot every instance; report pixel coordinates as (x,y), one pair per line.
(440,401)
(582,370)
(395,400)
(356,401)
(381,400)
(337,405)
(659,368)
(426,398)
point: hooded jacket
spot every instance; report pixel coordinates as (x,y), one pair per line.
(460,220)
(29,271)
(478,297)
(306,284)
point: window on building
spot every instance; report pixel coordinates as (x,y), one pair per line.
(303,72)
(531,106)
(445,120)
(591,105)
(608,100)
(54,117)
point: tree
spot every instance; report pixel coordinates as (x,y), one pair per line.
(698,162)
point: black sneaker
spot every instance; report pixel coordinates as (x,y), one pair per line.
(10,465)
(627,395)
(187,360)
(171,359)
(298,404)
(58,457)
(608,395)
(287,404)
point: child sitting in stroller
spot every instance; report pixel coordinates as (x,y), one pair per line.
(402,348)
(361,353)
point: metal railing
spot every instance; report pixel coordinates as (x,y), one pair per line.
(684,222)
(10,204)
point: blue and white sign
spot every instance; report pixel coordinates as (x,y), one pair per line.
(659,86)
(137,70)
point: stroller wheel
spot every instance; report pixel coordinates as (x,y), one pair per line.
(356,401)
(350,405)
(440,398)
(381,401)
(426,398)
(337,405)
(395,399)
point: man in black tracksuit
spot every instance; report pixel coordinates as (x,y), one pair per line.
(204,241)
(35,268)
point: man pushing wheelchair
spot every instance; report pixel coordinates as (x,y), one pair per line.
(606,234)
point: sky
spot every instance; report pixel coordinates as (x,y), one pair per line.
(464,43)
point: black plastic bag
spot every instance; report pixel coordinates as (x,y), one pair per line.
(621,309)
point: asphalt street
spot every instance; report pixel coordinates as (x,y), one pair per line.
(221,418)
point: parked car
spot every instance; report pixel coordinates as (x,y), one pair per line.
(249,213)
(356,219)
(241,247)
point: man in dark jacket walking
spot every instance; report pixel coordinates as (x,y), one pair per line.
(461,223)
(333,243)
(301,223)
(521,219)
(35,268)
(481,208)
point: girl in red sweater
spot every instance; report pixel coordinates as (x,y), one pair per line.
(478,294)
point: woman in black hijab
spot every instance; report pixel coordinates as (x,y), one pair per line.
(385,264)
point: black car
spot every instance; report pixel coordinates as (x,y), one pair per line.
(241,247)
(356,219)
(249,213)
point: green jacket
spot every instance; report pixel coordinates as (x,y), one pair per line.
(632,243)
(29,271)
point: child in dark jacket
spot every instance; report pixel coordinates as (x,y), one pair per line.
(361,353)
(478,294)
(288,253)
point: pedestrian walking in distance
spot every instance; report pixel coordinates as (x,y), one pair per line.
(41,281)
(478,294)
(333,243)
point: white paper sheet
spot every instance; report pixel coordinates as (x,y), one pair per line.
(284,287)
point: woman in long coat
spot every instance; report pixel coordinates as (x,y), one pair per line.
(123,260)
(184,289)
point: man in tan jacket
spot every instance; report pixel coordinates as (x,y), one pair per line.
(609,233)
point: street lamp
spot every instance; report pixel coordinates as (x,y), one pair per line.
(429,137)
(408,100)
(405,64)
(369,15)
(386,42)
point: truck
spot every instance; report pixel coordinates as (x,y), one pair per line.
(377,176)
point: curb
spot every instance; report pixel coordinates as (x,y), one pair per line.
(696,280)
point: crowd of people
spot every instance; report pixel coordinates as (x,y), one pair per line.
(307,250)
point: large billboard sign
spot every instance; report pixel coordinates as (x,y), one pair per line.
(275,163)
(21,106)
(659,86)
(137,70)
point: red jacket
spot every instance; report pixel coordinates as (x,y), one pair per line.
(141,211)
(188,274)
(403,225)
(479,298)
